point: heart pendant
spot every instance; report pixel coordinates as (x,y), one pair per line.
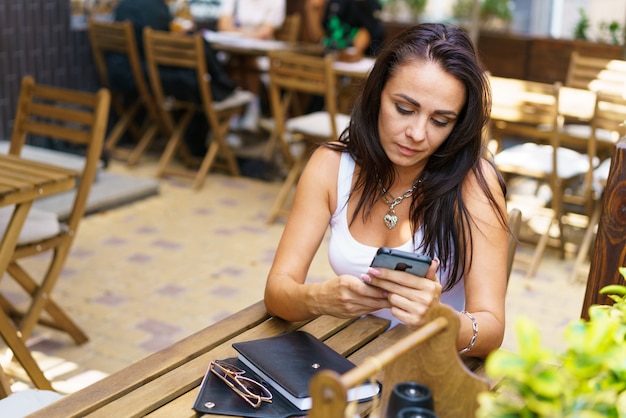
(391,220)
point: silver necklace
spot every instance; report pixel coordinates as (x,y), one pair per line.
(390,218)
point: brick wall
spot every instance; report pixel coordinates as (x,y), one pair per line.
(35,39)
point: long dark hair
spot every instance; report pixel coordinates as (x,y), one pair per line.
(438,202)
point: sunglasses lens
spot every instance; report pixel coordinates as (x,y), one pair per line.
(229,367)
(254,388)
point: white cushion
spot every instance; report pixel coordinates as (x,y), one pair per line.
(237,98)
(584,131)
(317,124)
(538,158)
(39,224)
(19,404)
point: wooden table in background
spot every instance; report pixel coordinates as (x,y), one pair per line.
(21,183)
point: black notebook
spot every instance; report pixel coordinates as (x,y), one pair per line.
(287,363)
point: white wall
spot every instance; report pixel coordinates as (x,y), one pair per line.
(556,18)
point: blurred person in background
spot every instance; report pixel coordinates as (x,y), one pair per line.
(353,27)
(178,82)
(257,19)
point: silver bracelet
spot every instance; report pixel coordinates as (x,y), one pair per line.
(474,330)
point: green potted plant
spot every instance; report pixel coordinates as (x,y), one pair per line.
(415,7)
(587,380)
(494,14)
(582,26)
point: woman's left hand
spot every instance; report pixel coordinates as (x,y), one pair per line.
(410,296)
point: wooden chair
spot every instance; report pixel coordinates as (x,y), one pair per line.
(605,75)
(595,76)
(428,356)
(600,176)
(529,110)
(292,74)
(186,52)
(65,115)
(119,38)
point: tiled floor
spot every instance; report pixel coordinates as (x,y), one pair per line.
(145,275)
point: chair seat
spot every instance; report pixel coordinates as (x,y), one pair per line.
(584,132)
(538,159)
(19,404)
(38,226)
(317,124)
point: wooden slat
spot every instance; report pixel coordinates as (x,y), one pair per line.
(32,179)
(69,95)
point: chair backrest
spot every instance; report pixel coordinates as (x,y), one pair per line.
(167,52)
(605,75)
(524,104)
(293,73)
(606,127)
(427,355)
(67,115)
(119,38)
(525,108)
(290,29)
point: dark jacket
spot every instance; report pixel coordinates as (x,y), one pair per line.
(181,83)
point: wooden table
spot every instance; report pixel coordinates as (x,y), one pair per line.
(166,383)
(238,44)
(21,182)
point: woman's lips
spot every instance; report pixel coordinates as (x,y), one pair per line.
(407,151)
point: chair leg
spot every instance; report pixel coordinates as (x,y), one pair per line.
(41,293)
(539,250)
(583,250)
(286,188)
(21,353)
(60,320)
(207,162)
(121,126)
(142,145)
(5,385)
(173,142)
(271,145)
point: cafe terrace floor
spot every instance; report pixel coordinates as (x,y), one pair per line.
(147,274)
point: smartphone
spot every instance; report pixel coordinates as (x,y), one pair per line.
(416,264)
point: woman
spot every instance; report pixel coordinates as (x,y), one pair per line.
(353,27)
(413,151)
(256,19)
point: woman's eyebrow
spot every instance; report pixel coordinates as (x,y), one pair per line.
(417,104)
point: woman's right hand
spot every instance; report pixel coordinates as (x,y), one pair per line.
(348,297)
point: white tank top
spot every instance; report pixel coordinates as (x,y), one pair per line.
(348,256)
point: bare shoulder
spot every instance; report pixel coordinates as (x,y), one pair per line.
(319,178)
(490,175)
(325,158)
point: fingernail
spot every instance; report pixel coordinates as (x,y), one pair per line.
(365,278)
(438,262)
(373,271)
(385,294)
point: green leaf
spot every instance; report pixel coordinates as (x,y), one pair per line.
(615,289)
